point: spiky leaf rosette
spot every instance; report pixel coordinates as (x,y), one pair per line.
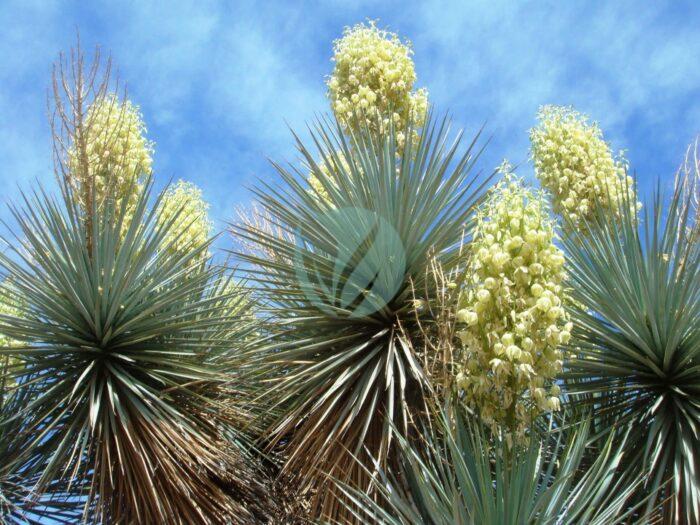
(458,475)
(124,346)
(636,291)
(340,291)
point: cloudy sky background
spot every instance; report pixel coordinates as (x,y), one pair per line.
(217,81)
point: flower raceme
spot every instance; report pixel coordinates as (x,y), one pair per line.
(183,204)
(9,306)
(511,311)
(372,82)
(575,164)
(371,86)
(118,154)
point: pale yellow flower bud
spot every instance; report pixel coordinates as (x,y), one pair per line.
(513,352)
(553,404)
(544,304)
(483,296)
(564,337)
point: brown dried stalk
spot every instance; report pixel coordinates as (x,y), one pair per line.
(77,85)
(687,183)
(256,218)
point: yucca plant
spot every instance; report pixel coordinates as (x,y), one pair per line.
(127,353)
(339,290)
(458,474)
(636,346)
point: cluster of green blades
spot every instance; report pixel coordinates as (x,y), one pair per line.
(129,351)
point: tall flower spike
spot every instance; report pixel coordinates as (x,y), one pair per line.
(373,81)
(118,154)
(184,205)
(511,310)
(9,306)
(575,164)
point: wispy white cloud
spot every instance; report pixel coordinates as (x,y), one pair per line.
(217,81)
(218,86)
(626,67)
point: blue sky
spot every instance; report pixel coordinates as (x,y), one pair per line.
(216,81)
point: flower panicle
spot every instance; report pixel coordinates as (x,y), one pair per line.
(373,80)
(575,164)
(511,311)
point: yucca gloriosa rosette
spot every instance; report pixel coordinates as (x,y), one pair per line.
(21,464)
(129,355)
(343,379)
(19,505)
(636,312)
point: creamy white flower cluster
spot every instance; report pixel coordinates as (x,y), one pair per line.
(9,307)
(118,153)
(573,162)
(373,79)
(511,311)
(192,227)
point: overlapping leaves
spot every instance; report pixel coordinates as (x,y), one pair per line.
(125,348)
(637,345)
(344,379)
(21,465)
(458,474)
